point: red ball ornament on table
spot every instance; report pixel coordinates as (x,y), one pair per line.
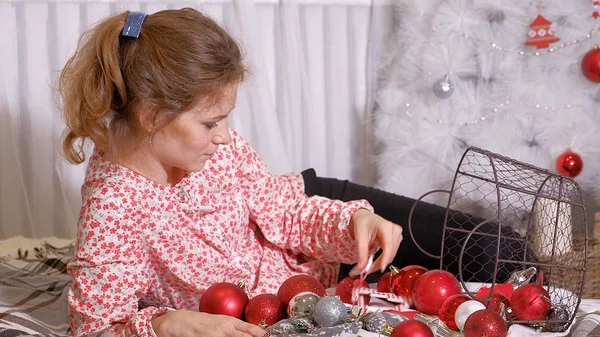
(498,303)
(383,284)
(412,328)
(403,282)
(569,164)
(432,288)
(298,284)
(224,298)
(530,302)
(344,289)
(485,323)
(264,310)
(448,309)
(590,65)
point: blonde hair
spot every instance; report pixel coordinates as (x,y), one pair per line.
(180,58)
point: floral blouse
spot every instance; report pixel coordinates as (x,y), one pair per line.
(144,248)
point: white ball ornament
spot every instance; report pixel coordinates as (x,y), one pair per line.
(465,310)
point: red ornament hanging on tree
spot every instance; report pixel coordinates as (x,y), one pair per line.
(590,65)
(541,34)
(569,164)
(412,328)
(298,284)
(595,14)
(224,298)
(344,289)
(485,323)
(432,288)
(403,282)
(264,310)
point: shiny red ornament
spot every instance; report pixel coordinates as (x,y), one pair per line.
(412,328)
(224,298)
(298,284)
(530,302)
(344,289)
(264,310)
(485,323)
(432,288)
(569,164)
(403,283)
(448,309)
(590,65)
(498,303)
(383,285)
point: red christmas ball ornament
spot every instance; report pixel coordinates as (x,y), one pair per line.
(403,282)
(569,164)
(530,302)
(590,65)
(299,284)
(498,303)
(224,298)
(448,309)
(432,288)
(383,284)
(412,328)
(264,310)
(485,323)
(344,289)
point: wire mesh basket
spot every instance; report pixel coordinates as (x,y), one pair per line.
(504,217)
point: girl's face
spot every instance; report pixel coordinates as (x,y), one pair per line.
(187,142)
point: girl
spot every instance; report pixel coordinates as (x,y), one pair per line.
(174,200)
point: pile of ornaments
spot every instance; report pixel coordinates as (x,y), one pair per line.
(299,308)
(302,308)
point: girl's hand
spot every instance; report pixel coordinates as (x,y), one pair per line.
(186,323)
(370,229)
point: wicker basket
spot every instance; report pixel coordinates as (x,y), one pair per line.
(591,287)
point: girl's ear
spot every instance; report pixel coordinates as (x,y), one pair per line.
(148,117)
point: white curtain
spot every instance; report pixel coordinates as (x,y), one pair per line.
(304,105)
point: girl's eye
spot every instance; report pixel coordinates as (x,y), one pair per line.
(211,125)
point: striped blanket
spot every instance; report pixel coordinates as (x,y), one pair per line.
(33,292)
(34,286)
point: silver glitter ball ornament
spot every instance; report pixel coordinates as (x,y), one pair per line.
(303,304)
(443,88)
(330,311)
(558,319)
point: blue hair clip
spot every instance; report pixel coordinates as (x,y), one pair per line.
(133,24)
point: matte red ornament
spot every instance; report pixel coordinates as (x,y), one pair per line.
(224,298)
(448,309)
(298,284)
(383,285)
(569,164)
(412,328)
(344,289)
(264,310)
(403,283)
(530,302)
(432,288)
(485,323)
(590,65)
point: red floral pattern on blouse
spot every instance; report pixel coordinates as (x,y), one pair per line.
(144,248)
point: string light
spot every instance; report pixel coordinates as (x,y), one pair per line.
(491,112)
(521,52)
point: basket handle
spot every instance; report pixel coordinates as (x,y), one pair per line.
(462,253)
(410,215)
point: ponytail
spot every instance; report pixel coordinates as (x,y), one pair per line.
(87,86)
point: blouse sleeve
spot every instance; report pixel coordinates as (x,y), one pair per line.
(109,272)
(313,226)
